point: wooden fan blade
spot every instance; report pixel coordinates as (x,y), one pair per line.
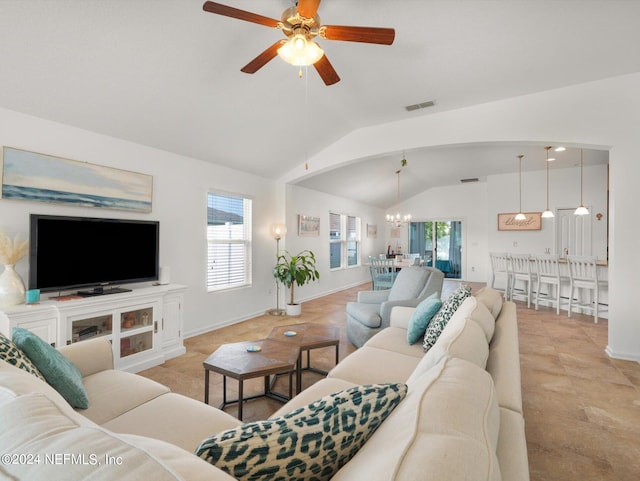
(308,8)
(220,9)
(383,36)
(262,59)
(326,71)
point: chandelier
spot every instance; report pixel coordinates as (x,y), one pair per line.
(398,219)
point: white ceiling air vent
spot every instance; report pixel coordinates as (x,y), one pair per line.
(423,105)
(470,179)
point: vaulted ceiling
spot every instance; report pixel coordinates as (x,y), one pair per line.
(166,74)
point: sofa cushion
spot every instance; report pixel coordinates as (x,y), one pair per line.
(59,371)
(61,449)
(113,393)
(395,339)
(439,321)
(185,421)
(11,353)
(446,428)
(421,317)
(366,314)
(370,365)
(491,298)
(311,442)
(477,311)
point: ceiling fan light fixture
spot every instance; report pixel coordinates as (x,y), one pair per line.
(300,51)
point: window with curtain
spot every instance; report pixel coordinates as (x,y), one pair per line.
(229,241)
(344,240)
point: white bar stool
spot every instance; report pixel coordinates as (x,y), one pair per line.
(500,268)
(583,273)
(522,272)
(549,273)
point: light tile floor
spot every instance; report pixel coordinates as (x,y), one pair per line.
(582,409)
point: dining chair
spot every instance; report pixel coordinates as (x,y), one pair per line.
(500,268)
(583,274)
(522,272)
(548,272)
(383,273)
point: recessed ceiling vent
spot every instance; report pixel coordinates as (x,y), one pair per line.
(470,179)
(423,105)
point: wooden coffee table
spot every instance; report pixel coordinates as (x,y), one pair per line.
(307,336)
(234,360)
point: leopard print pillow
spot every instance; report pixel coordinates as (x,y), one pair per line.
(12,354)
(440,320)
(310,443)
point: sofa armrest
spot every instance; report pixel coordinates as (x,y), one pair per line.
(400,316)
(90,356)
(373,297)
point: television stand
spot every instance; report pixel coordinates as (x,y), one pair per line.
(103,291)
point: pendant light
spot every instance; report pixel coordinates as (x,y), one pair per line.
(397,220)
(581,210)
(547,214)
(520,215)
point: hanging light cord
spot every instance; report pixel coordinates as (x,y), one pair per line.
(581,204)
(520,157)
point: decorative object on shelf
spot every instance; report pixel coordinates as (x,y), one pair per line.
(520,215)
(12,289)
(399,220)
(277,232)
(308,226)
(33,296)
(40,177)
(146,320)
(295,270)
(581,210)
(533,221)
(547,214)
(372,231)
(128,320)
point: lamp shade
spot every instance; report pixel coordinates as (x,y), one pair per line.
(278,231)
(299,51)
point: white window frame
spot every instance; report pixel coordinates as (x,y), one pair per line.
(344,240)
(235,269)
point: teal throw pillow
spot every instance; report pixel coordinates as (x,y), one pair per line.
(421,317)
(12,354)
(440,320)
(58,371)
(310,443)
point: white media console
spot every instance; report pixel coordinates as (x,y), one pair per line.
(145,325)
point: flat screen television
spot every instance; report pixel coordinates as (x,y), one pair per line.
(72,252)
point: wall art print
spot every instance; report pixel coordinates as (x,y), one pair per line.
(308,226)
(47,178)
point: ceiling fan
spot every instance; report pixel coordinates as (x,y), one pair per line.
(301,24)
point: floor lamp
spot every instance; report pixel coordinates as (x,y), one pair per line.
(277,231)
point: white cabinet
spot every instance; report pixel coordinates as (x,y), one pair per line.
(144,326)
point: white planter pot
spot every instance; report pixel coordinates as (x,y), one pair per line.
(12,288)
(294,309)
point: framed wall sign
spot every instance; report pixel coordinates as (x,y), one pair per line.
(308,226)
(509,222)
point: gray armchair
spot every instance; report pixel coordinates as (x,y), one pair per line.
(372,311)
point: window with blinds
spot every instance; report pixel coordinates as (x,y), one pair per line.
(344,240)
(229,241)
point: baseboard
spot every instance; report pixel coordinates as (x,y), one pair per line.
(623,356)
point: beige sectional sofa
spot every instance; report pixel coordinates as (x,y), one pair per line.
(460,420)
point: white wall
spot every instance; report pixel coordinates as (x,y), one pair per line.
(304,201)
(179,203)
(466,203)
(566,116)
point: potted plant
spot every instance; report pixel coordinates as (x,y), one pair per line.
(295,270)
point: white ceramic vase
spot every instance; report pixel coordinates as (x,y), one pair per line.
(12,288)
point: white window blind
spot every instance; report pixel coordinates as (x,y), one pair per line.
(229,241)
(344,241)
